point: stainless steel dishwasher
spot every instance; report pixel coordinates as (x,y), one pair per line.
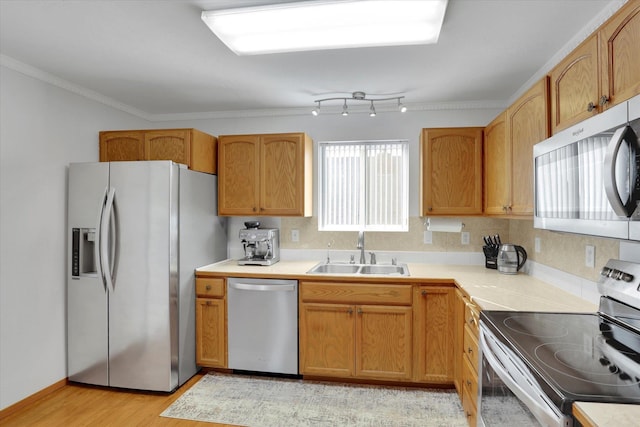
(262,322)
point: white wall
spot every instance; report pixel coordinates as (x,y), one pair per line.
(42,129)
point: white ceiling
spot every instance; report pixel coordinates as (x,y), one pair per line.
(158,58)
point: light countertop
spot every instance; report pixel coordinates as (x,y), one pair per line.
(608,414)
(488,288)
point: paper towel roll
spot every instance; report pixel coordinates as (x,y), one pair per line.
(447,225)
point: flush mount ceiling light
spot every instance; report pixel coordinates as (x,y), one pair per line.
(318,25)
(359,96)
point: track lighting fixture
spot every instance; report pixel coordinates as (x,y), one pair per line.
(359,96)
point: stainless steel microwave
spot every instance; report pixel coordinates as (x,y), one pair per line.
(587,177)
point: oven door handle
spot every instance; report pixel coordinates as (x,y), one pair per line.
(547,415)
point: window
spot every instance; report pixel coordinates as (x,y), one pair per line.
(363,185)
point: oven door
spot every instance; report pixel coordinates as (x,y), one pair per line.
(509,392)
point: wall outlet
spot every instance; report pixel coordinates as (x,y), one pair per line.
(464,238)
(428,237)
(590,256)
(295,235)
(537,244)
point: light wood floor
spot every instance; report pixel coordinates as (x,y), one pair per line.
(78,405)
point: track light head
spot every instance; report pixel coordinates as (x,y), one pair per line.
(401,107)
(372,110)
(316,110)
(345,111)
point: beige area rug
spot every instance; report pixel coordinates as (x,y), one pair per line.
(264,402)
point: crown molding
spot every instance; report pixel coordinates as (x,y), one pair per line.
(38,74)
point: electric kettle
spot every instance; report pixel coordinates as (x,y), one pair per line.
(511,258)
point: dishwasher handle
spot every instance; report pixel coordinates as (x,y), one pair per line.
(263,287)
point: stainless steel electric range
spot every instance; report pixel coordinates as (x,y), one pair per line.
(535,365)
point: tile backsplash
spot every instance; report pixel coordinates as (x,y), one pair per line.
(562,251)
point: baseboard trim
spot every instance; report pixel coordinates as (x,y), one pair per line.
(10,410)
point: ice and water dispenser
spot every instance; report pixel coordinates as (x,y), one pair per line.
(83,259)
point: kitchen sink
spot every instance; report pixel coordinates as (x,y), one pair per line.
(324,268)
(360,269)
(384,269)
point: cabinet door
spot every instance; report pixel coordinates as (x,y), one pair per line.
(620,55)
(458,353)
(211,331)
(528,124)
(451,171)
(434,331)
(168,145)
(238,173)
(574,86)
(282,174)
(121,146)
(383,342)
(327,339)
(497,167)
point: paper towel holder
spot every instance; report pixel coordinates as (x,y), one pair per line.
(447,225)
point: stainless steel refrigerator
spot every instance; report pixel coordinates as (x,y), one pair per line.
(137,231)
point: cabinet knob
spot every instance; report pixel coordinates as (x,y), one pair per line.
(359,311)
(469,383)
(591,107)
(470,350)
(423,292)
(254,209)
(208,302)
(208,287)
(350,311)
(429,208)
(604,100)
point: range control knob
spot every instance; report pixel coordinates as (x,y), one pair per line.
(614,369)
(624,376)
(604,361)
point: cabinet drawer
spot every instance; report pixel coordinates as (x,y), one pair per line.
(356,293)
(470,411)
(470,347)
(472,317)
(469,379)
(213,288)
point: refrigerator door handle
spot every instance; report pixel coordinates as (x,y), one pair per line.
(99,239)
(107,262)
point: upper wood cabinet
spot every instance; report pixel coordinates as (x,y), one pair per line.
(451,171)
(190,147)
(619,41)
(601,72)
(508,153)
(497,166)
(265,175)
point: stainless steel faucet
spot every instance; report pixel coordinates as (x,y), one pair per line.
(361,246)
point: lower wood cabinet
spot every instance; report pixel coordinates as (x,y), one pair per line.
(366,338)
(470,361)
(211,327)
(434,335)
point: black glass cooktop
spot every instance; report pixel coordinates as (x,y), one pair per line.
(576,357)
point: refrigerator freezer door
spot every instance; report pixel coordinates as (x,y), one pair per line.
(143,348)
(87,333)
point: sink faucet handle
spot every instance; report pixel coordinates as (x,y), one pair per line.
(352,260)
(394,261)
(373,257)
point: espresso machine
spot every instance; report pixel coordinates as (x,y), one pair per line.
(261,245)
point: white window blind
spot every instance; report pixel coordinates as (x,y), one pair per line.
(363,185)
